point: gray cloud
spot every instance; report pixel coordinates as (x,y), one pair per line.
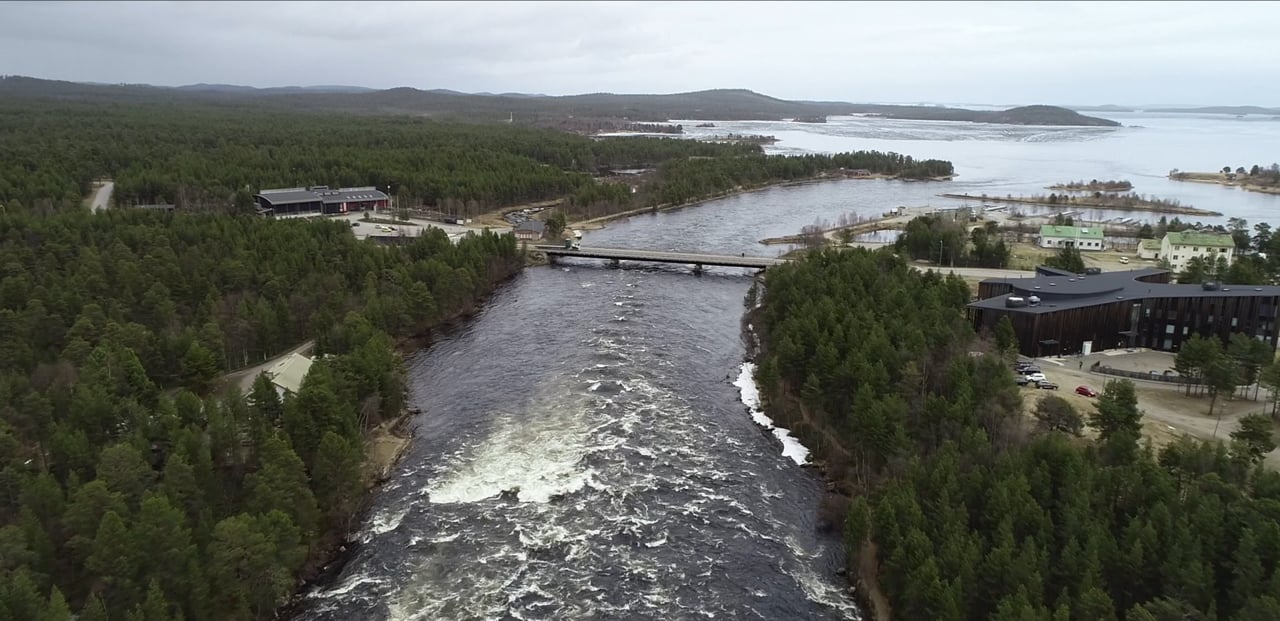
(1070,52)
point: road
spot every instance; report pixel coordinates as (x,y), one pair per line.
(243,378)
(102,197)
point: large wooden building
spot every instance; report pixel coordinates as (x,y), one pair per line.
(1059,313)
(319,200)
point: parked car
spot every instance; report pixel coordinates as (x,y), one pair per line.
(1046,385)
(1086,391)
(1029,370)
(1124,260)
(1035,377)
(1021,380)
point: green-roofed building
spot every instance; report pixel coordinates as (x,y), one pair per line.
(1178,248)
(1081,237)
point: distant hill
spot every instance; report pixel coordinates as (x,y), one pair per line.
(1102,108)
(1022,115)
(1221,110)
(716,105)
(277,90)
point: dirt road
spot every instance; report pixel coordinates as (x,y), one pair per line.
(243,378)
(102,197)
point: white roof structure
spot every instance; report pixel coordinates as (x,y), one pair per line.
(288,373)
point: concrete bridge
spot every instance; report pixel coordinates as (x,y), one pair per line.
(698,261)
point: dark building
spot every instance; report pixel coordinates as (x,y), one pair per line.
(1057,312)
(319,200)
(530,229)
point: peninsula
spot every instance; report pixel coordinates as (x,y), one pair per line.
(1118,202)
(1093,185)
(1257,179)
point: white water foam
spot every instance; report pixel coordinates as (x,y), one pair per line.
(746,384)
(537,456)
(387,521)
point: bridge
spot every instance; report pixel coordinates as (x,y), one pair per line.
(687,258)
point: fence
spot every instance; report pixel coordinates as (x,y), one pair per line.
(1149,375)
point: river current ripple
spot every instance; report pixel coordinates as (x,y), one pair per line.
(584,453)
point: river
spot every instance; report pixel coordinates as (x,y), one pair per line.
(584,451)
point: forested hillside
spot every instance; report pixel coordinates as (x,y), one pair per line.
(960,509)
(127,490)
(215,158)
(717,104)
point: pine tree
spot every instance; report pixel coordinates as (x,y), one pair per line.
(282,484)
(1117,419)
(124,470)
(114,561)
(57,610)
(336,479)
(164,540)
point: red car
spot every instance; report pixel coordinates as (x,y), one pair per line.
(1086,391)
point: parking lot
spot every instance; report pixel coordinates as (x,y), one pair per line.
(415,228)
(1168,413)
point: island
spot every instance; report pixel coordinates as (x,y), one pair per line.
(1118,202)
(1093,185)
(1255,179)
(810,119)
(742,139)
(1022,115)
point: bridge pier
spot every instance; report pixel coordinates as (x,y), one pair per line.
(697,269)
(615,263)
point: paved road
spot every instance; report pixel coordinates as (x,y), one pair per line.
(663,257)
(102,198)
(243,379)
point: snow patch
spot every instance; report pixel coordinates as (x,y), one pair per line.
(746,383)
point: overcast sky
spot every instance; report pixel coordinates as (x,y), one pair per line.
(998,53)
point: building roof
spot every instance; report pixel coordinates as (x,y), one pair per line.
(346,195)
(1195,238)
(1076,291)
(1071,232)
(532,226)
(1149,244)
(320,194)
(288,373)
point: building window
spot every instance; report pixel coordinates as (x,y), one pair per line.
(1168,329)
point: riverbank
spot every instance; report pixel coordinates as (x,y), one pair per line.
(890,223)
(862,573)
(384,446)
(1221,179)
(1075,201)
(598,223)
